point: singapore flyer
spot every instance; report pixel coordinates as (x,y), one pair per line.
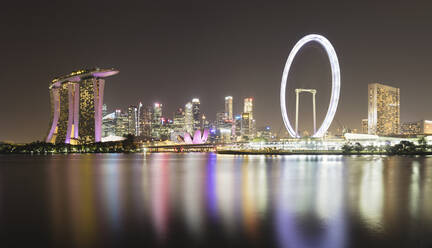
(335,71)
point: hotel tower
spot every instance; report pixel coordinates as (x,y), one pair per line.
(76,106)
(383,110)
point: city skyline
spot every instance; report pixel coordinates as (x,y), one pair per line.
(201,56)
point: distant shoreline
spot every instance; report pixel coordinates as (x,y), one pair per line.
(230,152)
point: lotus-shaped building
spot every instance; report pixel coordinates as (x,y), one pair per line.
(197,137)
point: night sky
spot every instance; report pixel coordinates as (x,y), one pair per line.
(173,51)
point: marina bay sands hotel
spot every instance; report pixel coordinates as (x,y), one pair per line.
(76,106)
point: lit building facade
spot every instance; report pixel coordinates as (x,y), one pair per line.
(189,117)
(364,126)
(76,106)
(108,125)
(246,126)
(410,128)
(383,110)
(224,127)
(265,133)
(248,129)
(179,120)
(248,106)
(145,121)
(229,107)
(132,116)
(121,123)
(156,125)
(426,127)
(237,127)
(196,113)
(422,127)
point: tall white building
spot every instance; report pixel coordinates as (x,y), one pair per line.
(188,117)
(229,107)
(248,106)
(248,122)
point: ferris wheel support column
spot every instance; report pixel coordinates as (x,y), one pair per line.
(297,91)
(314,110)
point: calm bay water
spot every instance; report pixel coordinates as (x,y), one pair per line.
(204,199)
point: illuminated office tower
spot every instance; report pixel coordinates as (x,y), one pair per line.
(383,109)
(196,114)
(179,120)
(205,124)
(246,126)
(76,106)
(156,121)
(145,121)
(157,113)
(224,127)
(188,118)
(237,127)
(133,120)
(248,129)
(121,123)
(138,120)
(220,120)
(229,107)
(108,124)
(248,106)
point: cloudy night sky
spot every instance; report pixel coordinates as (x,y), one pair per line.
(173,51)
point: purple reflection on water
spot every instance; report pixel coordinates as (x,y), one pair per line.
(112,195)
(288,214)
(211,186)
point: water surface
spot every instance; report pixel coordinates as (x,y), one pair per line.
(204,199)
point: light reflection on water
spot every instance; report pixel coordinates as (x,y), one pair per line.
(197,199)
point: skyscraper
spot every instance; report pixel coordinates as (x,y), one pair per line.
(108,124)
(76,106)
(156,121)
(157,113)
(237,127)
(188,118)
(248,106)
(248,122)
(229,107)
(133,120)
(138,121)
(196,113)
(179,120)
(121,123)
(383,109)
(246,128)
(145,121)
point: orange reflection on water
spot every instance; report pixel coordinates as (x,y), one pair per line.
(73,201)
